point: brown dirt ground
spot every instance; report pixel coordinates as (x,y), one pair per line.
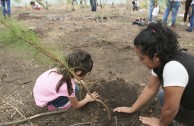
(117,75)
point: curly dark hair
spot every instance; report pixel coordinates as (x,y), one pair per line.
(158,40)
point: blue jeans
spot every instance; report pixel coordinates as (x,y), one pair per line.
(62,100)
(173,6)
(192,19)
(8,10)
(151,8)
(93,5)
(183,116)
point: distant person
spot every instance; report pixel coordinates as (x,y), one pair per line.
(74,1)
(43,3)
(135,4)
(35,5)
(153,4)
(191,11)
(171,6)
(93,5)
(6,7)
(187,6)
(56,88)
(172,77)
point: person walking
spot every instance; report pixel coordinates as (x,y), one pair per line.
(93,5)
(171,6)
(191,9)
(153,4)
(187,6)
(6,7)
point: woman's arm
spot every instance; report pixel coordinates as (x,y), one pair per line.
(78,104)
(172,97)
(148,92)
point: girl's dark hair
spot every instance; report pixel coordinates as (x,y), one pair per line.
(158,40)
(78,60)
(32,2)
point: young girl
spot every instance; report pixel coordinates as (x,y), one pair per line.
(56,88)
(172,69)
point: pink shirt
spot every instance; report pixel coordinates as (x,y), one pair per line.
(45,88)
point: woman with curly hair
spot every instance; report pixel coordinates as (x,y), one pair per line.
(172,69)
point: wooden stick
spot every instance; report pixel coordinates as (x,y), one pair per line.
(116,121)
(31,117)
(2,100)
(1,87)
(77,124)
(17,110)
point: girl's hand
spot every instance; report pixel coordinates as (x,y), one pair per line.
(124,109)
(89,98)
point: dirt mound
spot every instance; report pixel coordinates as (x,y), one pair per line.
(114,93)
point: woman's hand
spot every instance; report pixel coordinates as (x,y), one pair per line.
(94,96)
(124,109)
(149,121)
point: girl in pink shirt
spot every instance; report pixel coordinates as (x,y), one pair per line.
(56,88)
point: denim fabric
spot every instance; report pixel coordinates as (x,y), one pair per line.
(187,5)
(173,7)
(59,102)
(151,8)
(4,9)
(183,116)
(160,97)
(62,100)
(192,19)
(93,5)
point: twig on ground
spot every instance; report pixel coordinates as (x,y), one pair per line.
(17,110)
(13,89)
(27,82)
(1,87)
(31,117)
(116,121)
(77,124)
(2,100)
(13,115)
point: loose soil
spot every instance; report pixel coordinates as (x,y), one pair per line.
(118,76)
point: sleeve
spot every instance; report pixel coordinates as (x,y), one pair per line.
(175,74)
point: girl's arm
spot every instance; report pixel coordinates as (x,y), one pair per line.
(78,104)
(148,92)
